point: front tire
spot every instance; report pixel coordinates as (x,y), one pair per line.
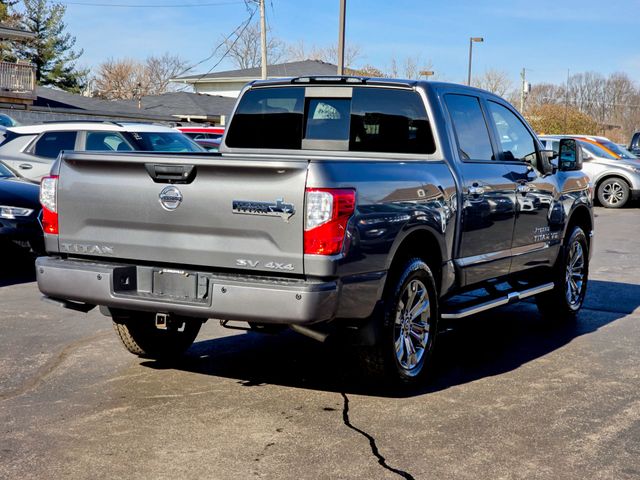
(407,335)
(613,193)
(139,335)
(570,277)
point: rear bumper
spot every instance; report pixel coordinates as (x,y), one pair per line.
(221,296)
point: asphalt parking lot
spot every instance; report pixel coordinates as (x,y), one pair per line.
(514,396)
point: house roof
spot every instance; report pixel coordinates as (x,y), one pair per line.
(53,98)
(291,69)
(165,107)
(10,33)
(184,104)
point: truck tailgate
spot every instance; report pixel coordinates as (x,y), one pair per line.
(231,213)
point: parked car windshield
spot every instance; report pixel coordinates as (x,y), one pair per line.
(617,149)
(165,142)
(5,172)
(597,151)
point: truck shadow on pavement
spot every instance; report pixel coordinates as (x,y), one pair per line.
(17,266)
(491,344)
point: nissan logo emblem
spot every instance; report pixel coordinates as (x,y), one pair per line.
(170,198)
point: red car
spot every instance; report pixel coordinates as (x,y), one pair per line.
(202,133)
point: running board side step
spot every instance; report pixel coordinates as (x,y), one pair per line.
(511,297)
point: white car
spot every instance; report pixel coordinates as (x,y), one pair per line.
(31,150)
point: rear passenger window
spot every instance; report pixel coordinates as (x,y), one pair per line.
(386,120)
(471,129)
(50,144)
(106,141)
(268,118)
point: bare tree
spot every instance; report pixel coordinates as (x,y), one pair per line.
(545,93)
(298,52)
(494,81)
(245,50)
(161,69)
(126,79)
(120,79)
(408,67)
(366,71)
(613,101)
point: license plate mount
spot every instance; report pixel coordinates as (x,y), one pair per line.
(175,284)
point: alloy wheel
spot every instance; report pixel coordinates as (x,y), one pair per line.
(613,193)
(575,274)
(411,328)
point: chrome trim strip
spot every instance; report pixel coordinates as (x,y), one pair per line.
(500,254)
(511,297)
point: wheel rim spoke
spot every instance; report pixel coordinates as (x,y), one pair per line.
(399,348)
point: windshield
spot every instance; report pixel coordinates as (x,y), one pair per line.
(165,142)
(617,149)
(597,151)
(5,172)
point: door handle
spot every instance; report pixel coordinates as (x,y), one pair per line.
(25,166)
(523,188)
(476,190)
(171,173)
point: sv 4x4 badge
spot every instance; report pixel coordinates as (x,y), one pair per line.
(276,209)
(242,262)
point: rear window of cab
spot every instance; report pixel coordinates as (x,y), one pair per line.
(356,119)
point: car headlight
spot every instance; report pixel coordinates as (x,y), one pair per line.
(11,213)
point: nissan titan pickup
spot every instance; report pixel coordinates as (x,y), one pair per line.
(360,208)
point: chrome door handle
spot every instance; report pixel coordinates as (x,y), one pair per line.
(523,188)
(476,190)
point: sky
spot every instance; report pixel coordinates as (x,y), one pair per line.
(548,38)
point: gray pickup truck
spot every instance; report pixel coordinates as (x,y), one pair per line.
(366,208)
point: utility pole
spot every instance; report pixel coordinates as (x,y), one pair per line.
(343,8)
(523,77)
(566,101)
(526,88)
(263,38)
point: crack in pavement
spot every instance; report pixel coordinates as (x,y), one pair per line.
(50,366)
(372,441)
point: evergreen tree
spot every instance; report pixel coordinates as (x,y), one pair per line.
(52,50)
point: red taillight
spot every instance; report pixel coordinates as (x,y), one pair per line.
(327,212)
(49,202)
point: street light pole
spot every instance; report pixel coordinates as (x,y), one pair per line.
(343,8)
(263,40)
(472,40)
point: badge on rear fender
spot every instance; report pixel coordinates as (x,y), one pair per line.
(270,209)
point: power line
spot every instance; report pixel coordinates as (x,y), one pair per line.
(238,32)
(131,5)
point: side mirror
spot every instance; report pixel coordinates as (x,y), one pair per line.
(570,155)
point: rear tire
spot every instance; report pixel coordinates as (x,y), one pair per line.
(571,275)
(139,335)
(613,193)
(409,324)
